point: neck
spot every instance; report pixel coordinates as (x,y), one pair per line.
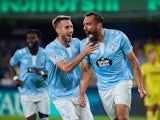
(101,35)
(33,51)
(63,42)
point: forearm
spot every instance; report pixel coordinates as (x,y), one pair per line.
(15,78)
(84,82)
(38,71)
(12,70)
(136,69)
(138,76)
(68,67)
(83,87)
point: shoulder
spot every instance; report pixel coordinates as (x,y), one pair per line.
(75,40)
(119,36)
(21,51)
(41,50)
(50,45)
(85,40)
(115,32)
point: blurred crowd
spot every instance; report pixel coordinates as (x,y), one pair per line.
(8,47)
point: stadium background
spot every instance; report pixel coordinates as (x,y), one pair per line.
(139,19)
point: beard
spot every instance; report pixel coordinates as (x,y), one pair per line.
(32,46)
(93,37)
(66,40)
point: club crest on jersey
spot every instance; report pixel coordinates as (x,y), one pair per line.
(42,61)
(104,62)
(25,61)
(54,57)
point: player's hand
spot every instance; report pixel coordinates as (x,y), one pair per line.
(82,102)
(18,83)
(89,49)
(142,92)
(148,94)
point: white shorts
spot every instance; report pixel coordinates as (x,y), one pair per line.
(33,104)
(70,110)
(120,94)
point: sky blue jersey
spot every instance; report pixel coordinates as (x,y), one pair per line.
(33,83)
(110,62)
(61,84)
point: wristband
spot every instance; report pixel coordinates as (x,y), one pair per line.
(42,73)
(15,78)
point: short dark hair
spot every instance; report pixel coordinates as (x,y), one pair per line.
(35,31)
(57,20)
(98,17)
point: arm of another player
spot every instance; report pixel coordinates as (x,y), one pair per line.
(38,72)
(68,67)
(138,75)
(86,71)
(17,82)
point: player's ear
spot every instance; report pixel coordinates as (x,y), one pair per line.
(39,39)
(99,26)
(58,30)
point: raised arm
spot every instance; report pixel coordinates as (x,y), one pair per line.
(137,72)
(86,71)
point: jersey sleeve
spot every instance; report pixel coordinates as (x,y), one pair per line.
(126,44)
(15,58)
(53,54)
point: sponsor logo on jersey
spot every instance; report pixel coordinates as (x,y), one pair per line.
(104,62)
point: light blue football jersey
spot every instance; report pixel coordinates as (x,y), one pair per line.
(33,83)
(110,62)
(61,84)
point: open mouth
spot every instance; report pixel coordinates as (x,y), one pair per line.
(90,35)
(69,35)
(30,44)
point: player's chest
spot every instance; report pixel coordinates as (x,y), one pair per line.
(33,60)
(109,50)
(69,53)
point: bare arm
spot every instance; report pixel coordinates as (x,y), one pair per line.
(68,67)
(86,71)
(12,70)
(39,72)
(137,72)
(17,82)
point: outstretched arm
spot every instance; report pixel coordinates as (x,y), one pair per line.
(137,72)
(86,71)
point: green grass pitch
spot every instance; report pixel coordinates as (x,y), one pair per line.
(95,118)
